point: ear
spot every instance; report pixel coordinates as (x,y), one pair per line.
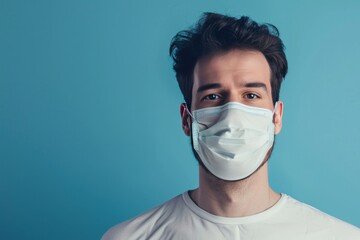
(185,120)
(277,119)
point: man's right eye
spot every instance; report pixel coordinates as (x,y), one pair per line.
(211,97)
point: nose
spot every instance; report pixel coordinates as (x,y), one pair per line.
(233,96)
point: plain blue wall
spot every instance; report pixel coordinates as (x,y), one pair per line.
(89,110)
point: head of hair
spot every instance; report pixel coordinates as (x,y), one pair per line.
(216,33)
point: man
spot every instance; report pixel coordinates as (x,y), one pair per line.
(230,72)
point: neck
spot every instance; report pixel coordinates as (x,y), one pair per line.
(235,198)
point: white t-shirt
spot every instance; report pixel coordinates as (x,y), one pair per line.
(181,218)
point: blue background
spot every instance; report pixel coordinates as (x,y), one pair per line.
(90,132)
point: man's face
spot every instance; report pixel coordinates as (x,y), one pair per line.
(234,76)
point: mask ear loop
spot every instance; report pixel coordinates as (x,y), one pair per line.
(188,111)
(275,108)
(192,117)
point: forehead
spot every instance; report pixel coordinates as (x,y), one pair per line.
(232,67)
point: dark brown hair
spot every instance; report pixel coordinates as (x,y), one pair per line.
(215,33)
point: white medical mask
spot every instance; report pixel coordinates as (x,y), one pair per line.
(232,140)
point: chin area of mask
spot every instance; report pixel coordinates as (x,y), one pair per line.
(232,140)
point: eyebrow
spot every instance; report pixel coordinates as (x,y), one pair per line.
(255,85)
(208,86)
(218,85)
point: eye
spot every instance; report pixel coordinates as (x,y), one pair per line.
(211,97)
(251,96)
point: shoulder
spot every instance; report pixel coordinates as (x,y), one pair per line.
(319,223)
(141,226)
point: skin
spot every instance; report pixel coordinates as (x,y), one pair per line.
(234,76)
